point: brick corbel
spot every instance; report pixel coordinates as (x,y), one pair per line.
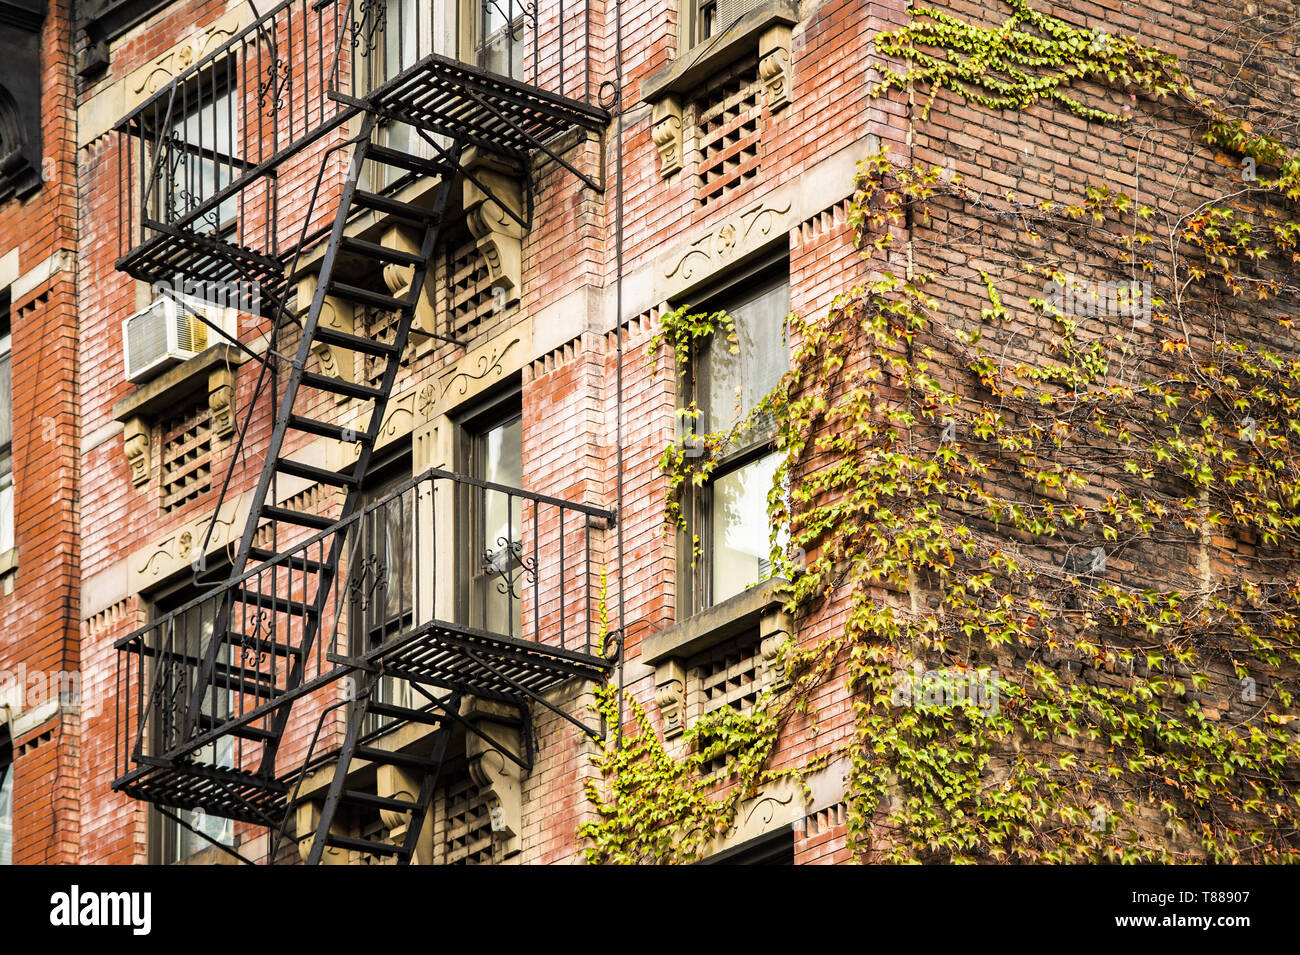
(667,134)
(498,234)
(338,314)
(498,777)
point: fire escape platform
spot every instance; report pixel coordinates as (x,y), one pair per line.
(228,793)
(498,114)
(481,663)
(204,260)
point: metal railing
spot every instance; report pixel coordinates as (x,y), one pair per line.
(214,152)
(443,553)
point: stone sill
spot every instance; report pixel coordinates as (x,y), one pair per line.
(688,70)
(710,627)
(179,382)
(8,561)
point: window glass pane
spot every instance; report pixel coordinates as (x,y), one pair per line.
(500,461)
(734,383)
(6,505)
(6,813)
(501,50)
(741,545)
(6,396)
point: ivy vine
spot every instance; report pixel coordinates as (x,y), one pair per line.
(1102,522)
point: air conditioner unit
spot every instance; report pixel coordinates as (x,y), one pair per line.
(729,11)
(166,333)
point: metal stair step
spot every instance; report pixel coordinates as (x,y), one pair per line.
(263,646)
(326,429)
(368,346)
(365,845)
(401,160)
(374,250)
(373,801)
(341,386)
(254,733)
(263,688)
(365,296)
(393,207)
(374,755)
(288,515)
(261,555)
(313,473)
(264,601)
(428,717)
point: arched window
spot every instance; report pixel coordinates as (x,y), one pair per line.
(17,174)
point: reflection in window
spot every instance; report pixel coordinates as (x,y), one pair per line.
(729,513)
(6,435)
(501,32)
(6,801)
(201,157)
(739,528)
(381,585)
(497,458)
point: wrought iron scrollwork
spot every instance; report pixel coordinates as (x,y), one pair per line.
(368,26)
(371,575)
(507,561)
(272,89)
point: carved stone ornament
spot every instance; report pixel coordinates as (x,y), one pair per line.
(667,134)
(774,66)
(338,314)
(498,234)
(498,777)
(136,439)
(221,401)
(670,694)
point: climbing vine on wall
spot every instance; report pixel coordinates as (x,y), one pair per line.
(1081,497)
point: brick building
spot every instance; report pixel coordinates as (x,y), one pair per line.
(369,442)
(39,572)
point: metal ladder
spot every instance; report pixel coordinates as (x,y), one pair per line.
(288,419)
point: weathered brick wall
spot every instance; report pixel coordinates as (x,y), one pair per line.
(569,390)
(39,619)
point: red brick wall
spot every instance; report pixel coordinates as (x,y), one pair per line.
(39,620)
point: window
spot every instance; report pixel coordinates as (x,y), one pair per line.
(6,799)
(774,848)
(381,588)
(703,20)
(729,513)
(492,452)
(499,41)
(6,433)
(198,147)
(171,841)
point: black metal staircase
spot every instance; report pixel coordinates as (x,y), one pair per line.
(206,694)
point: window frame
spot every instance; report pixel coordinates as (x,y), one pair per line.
(8,493)
(7,774)
(496,410)
(219,81)
(696,581)
(391,471)
(164,837)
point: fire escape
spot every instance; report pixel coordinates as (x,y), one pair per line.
(228,179)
